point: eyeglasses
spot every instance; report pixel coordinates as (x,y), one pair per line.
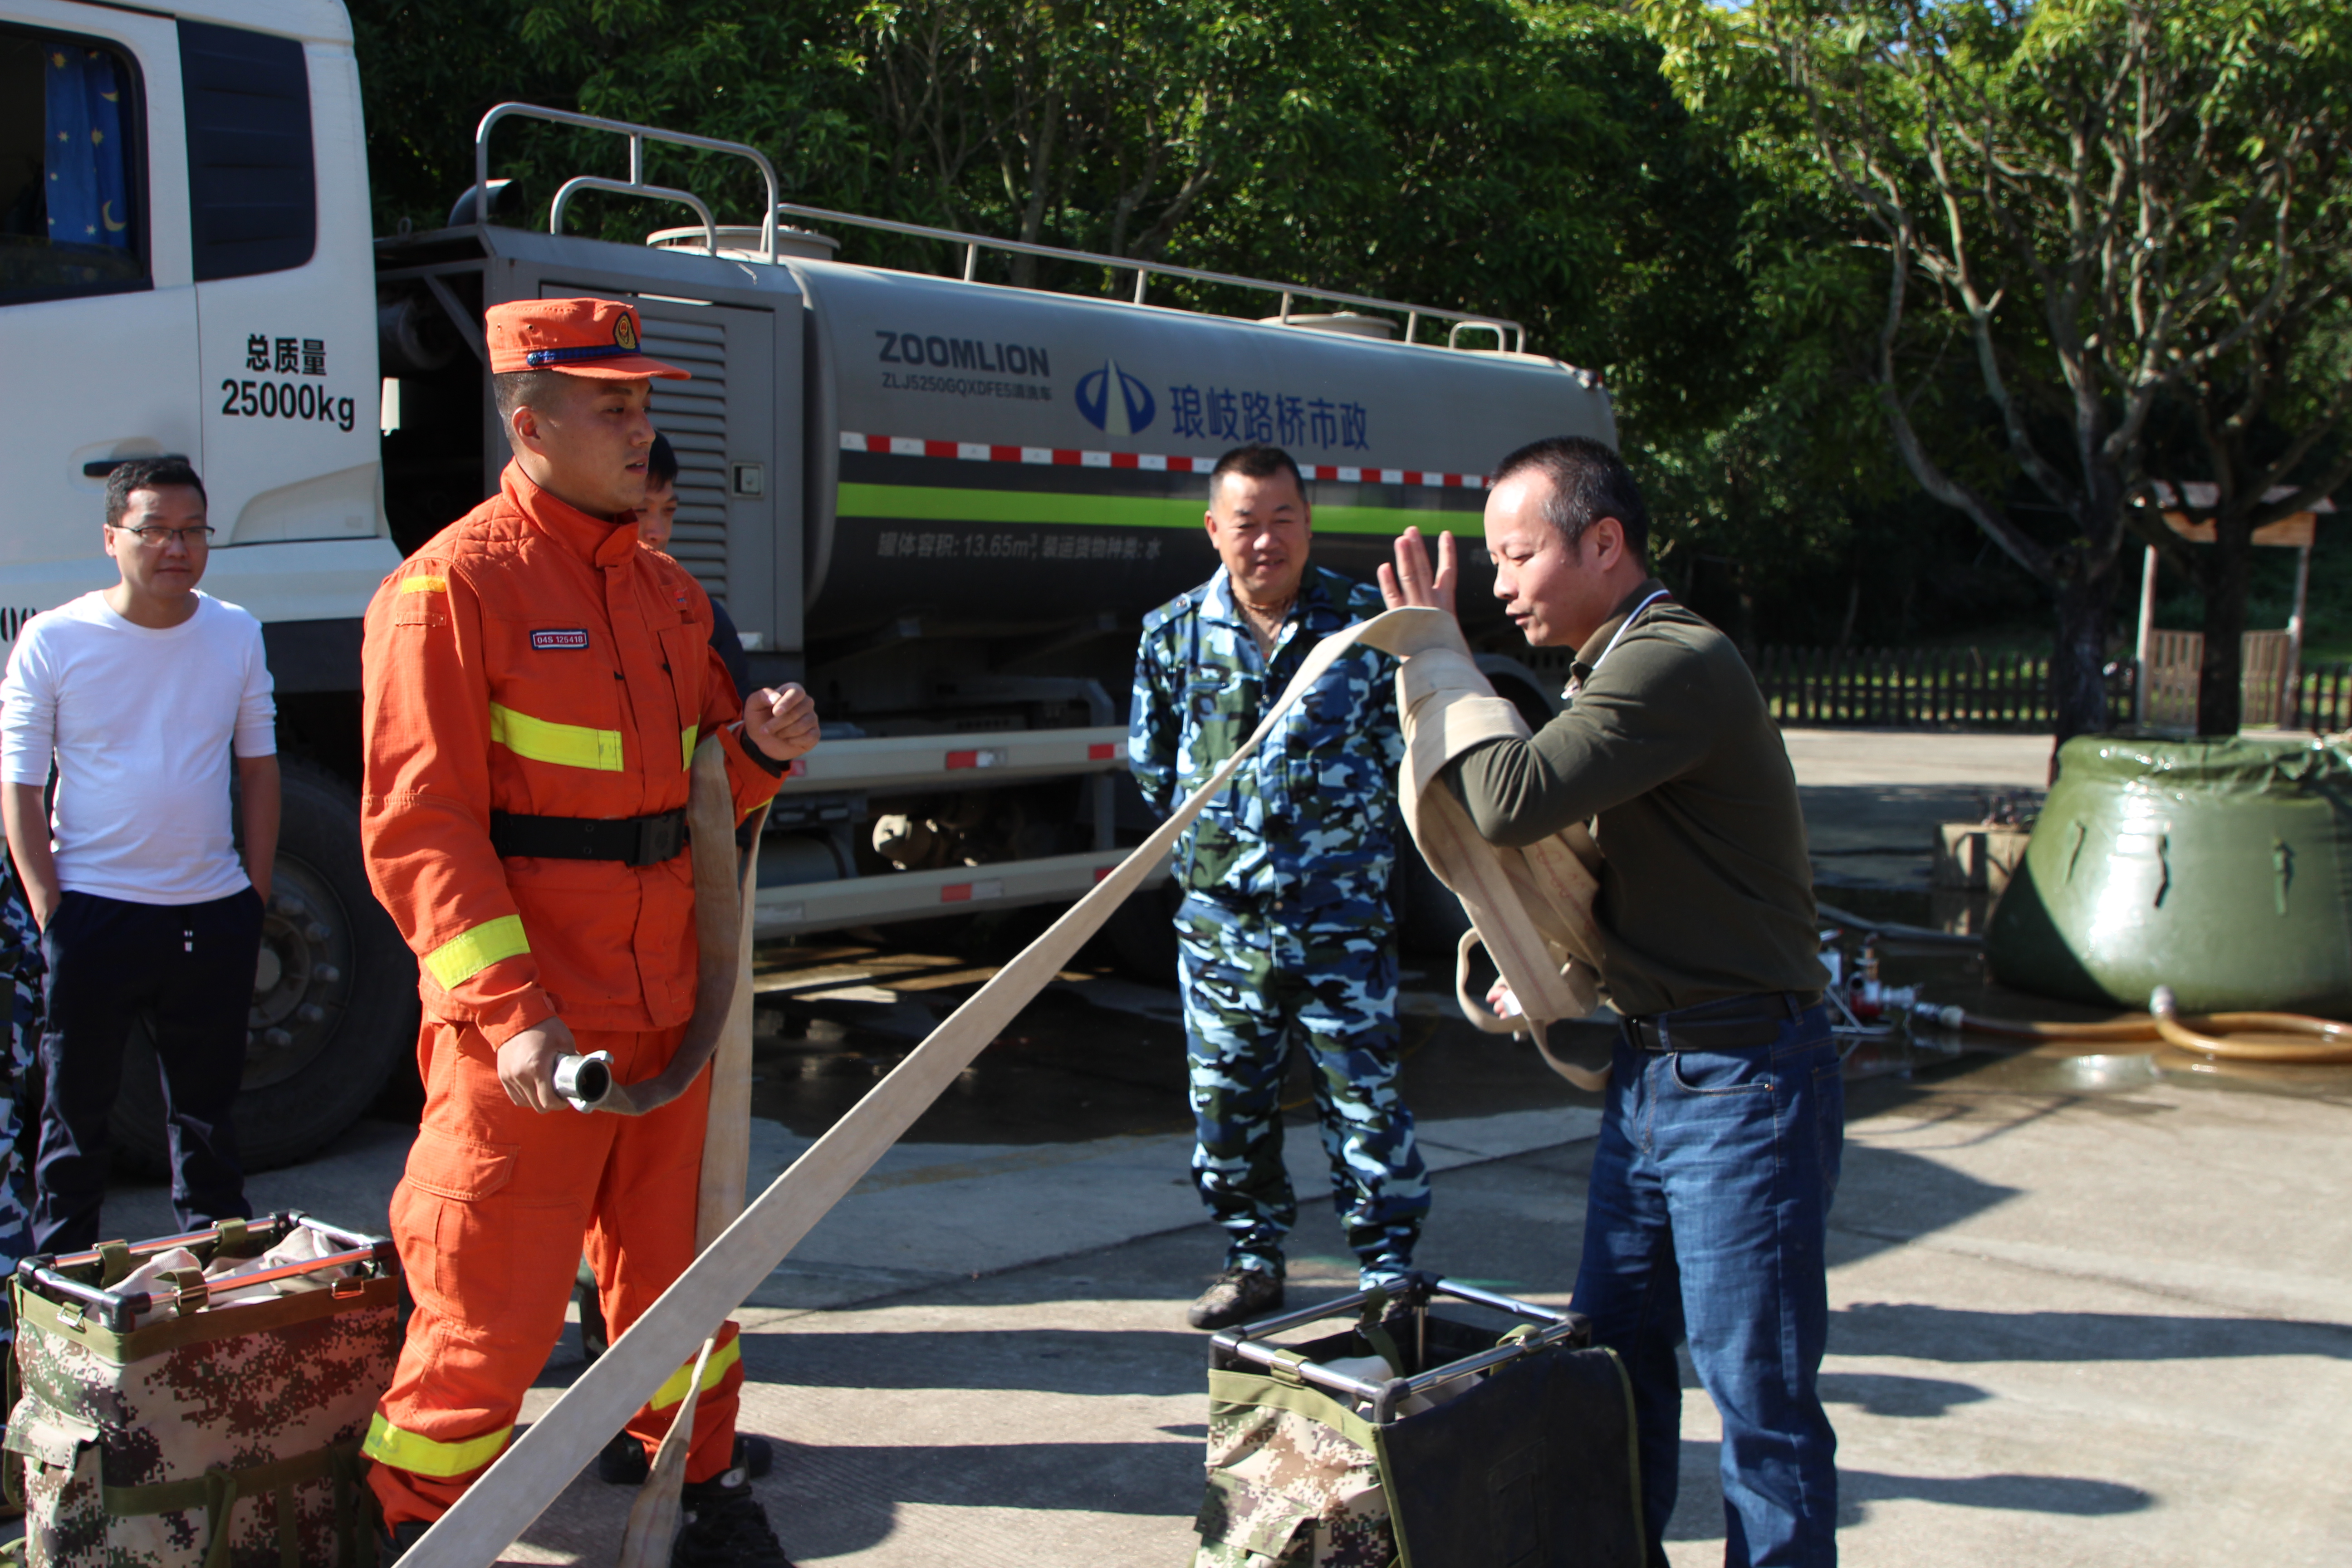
(155,537)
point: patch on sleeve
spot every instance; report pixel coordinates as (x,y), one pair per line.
(421,599)
(572,637)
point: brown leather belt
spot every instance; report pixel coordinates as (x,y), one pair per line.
(1734,1023)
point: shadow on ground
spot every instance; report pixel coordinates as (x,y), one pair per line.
(1699,1508)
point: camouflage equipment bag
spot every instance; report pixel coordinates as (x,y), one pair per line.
(1294,1480)
(157,1428)
(1467,1449)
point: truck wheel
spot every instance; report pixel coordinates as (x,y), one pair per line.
(335,997)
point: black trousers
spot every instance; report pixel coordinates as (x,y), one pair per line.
(188,970)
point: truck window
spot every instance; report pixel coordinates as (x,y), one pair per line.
(252,193)
(72,219)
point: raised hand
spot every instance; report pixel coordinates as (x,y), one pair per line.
(1410,581)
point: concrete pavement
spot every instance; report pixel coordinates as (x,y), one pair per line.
(2088,1310)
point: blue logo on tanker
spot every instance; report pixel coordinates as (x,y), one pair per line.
(1113,401)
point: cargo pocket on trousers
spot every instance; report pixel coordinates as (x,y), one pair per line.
(438,1213)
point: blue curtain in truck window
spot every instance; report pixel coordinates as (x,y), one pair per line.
(84,149)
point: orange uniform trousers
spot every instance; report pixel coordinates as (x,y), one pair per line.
(497,1205)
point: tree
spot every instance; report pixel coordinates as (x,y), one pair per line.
(2105,208)
(1520,158)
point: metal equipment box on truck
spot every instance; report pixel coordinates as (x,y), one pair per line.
(943,504)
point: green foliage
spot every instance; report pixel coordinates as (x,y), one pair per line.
(1525,159)
(2114,243)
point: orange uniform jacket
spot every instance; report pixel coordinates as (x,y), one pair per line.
(533,660)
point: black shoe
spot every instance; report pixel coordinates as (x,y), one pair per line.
(392,1544)
(725,1526)
(594,1338)
(1239,1295)
(623,1461)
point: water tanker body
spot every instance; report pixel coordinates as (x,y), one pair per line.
(994,461)
(947,505)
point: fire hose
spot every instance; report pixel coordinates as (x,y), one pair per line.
(2307,1039)
(2210,1034)
(502,1504)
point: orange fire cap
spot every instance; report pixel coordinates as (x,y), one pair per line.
(596,338)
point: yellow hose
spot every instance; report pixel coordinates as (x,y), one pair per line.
(2329,1041)
(2322,1039)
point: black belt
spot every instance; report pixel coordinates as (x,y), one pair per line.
(631,840)
(1734,1023)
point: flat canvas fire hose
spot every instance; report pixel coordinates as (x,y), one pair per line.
(655,1516)
(536,1468)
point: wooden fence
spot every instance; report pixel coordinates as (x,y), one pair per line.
(2174,660)
(1903,688)
(1969,688)
(2323,699)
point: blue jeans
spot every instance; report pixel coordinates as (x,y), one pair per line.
(1709,1204)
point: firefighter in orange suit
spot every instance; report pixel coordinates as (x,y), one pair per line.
(535,684)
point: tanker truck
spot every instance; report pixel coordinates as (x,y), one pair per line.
(940,504)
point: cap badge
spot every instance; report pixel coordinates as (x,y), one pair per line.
(624,332)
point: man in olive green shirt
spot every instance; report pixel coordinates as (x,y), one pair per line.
(1719,1143)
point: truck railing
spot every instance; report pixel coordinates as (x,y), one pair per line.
(898,763)
(901,762)
(997,756)
(791,909)
(635,185)
(1508,332)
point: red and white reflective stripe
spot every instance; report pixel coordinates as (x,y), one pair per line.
(1148,462)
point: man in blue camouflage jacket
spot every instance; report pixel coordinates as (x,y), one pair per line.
(1286,931)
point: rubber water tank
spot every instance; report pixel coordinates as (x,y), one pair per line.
(2219,868)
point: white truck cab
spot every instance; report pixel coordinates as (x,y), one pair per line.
(205,191)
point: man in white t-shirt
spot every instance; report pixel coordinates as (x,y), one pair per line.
(141,692)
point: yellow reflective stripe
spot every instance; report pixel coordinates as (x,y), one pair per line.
(566,745)
(686,743)
(670,1393)
(461,958)
(424,584)
(424,1456)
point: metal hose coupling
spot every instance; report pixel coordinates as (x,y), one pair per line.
(586,1081)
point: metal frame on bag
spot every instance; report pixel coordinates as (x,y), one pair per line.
(44,1274)
(1543,1327)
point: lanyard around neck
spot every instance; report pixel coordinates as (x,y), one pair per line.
(1627,625)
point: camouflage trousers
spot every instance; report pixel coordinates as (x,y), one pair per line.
(1254,982)
(21,964)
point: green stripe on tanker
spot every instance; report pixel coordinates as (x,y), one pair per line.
(927,503)
(2221,869)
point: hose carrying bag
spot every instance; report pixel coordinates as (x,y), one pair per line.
(163,1419)
(1465,1449)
